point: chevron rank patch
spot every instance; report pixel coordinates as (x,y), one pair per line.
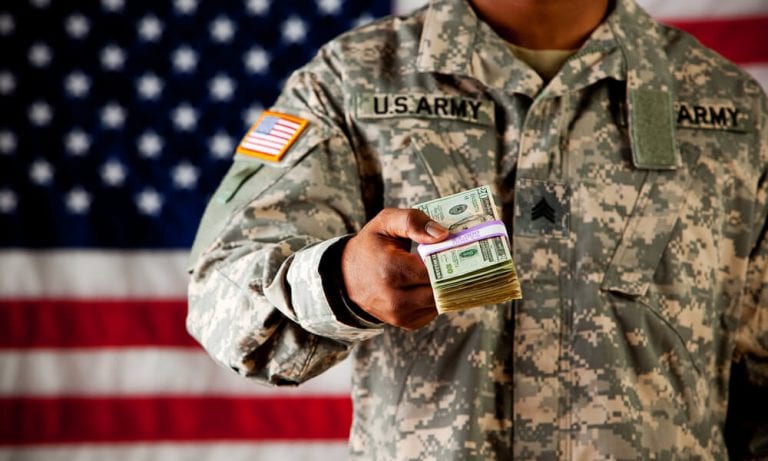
(542,208)
(271,136)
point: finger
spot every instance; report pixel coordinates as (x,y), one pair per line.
(412,224)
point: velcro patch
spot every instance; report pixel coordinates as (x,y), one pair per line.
(271,136)
(712,115)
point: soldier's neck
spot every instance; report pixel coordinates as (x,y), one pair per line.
(543,24)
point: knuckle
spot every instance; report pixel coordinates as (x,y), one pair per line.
(385,214)
(390,278)
(392,272)
(385,274)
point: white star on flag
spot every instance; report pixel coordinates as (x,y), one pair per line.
(185,175)
(251,114)
(113,115)
(7,82)
(112,57)
(41,4)
(40,113)
(7,201)
(41,172)
(221,145)
(77,84)
(258,7)
(257,60)
(186,7)
(150,144)
(77,142)
(222,29)
(113,6)
(184,59)
(77,26)
(329,6)
(113,173)
(78,200)
(184,117)
(7,142)
(294,30)
(149,202)
(363,20)
(221,87)
(150,28)
(7,24)
(149,86)
(40,55)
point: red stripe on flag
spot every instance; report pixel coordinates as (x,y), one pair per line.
(57,323)
(109,420)
(742,40)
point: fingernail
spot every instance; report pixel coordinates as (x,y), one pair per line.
(435,229)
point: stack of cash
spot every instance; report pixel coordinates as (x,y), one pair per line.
(473,266)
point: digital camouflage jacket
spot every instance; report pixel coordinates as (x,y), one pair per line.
(643,289)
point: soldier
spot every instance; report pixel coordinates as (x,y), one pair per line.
(645,284)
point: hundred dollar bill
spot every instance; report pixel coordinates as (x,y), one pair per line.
(474,265)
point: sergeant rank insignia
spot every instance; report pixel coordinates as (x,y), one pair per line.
(271,136)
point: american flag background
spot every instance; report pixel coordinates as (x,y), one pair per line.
(117,121)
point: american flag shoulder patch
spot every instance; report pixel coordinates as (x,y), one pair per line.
(271,136)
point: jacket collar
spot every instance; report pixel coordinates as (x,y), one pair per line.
(627,46)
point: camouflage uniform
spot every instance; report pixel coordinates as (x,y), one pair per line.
(640,294)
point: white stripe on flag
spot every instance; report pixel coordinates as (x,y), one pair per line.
(760,72)
(269,141)
(131,371)
(93,274)
(279,136)
(261,148)
(282,129)
(704,9)
(294,450)
(288,123)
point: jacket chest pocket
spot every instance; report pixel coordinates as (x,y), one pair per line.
(436,159)
(428,145)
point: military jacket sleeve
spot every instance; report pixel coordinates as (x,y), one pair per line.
(257,301)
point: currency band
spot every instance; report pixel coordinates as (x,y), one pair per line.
(472,234)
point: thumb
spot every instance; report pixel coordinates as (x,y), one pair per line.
(412,224)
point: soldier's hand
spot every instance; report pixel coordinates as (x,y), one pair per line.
(383,277)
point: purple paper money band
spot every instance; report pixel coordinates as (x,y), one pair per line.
(482,231)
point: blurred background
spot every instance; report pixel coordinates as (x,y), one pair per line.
(117,120)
